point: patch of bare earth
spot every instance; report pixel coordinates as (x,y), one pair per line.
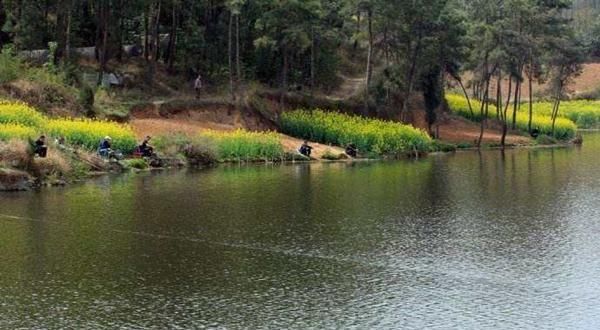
(157,126)
(291,144)
(587,81)
(459,130)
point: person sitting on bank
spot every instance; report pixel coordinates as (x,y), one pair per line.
(535,133)
(305,149)
(40,147)
(351,150)
(105,148)
(145,148)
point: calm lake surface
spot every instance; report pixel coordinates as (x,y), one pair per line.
(465,240)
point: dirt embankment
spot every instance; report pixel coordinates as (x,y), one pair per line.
(196,116)
(192,116)
(587,83)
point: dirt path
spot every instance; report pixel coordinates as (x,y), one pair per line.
(459,130)
(291,144)
(349,88)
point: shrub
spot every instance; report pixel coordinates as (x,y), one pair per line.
(198,151)
(9,66)
(15,153)
(88,133)
(369,135)
(443,147)
(545,140)
(54,164)
(20,113)
(564,129)
(330,155)
(242,145)
(16,131)
(138,163)
(86,99)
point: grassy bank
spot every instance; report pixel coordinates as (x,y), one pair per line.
(369,135)
(565,129)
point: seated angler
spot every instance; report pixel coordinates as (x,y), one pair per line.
(305,149)
(105,148)
(145,148)
(40,147)
(351,150)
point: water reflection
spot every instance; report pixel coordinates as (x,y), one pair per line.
(466,240)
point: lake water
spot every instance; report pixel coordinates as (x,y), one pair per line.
(467,240)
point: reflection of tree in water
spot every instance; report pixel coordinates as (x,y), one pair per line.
(510,200)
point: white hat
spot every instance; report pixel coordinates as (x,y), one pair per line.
(107,138)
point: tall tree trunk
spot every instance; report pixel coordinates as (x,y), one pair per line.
(355,46)
(505,114)
(284,77)
(312,61)
(499,94)
(410,77)
(484,112)
(517,102)
(369,59)
(104,15)
(68,32)
(556,108)
(230,56)
(147,13)
(238,65)
(530,121)
(121,32)
(462,86)
(172,39)
(157,32)
(487,76)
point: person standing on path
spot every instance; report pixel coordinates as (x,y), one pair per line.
(198,85)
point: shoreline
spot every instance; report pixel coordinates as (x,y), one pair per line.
(12,180)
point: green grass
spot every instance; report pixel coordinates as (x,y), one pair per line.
(565,129)
(242,145)
(369,135)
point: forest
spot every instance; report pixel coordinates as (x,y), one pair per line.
(399,48)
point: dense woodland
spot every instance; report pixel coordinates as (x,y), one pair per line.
(399,47)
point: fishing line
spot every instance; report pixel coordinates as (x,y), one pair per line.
(290,253)
(205,241)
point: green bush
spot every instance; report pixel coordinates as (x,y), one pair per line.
(198,151)
(138,163)
(545,140)
(369,135)
(443,147)
(330,155)
(10,66)
(86,99)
